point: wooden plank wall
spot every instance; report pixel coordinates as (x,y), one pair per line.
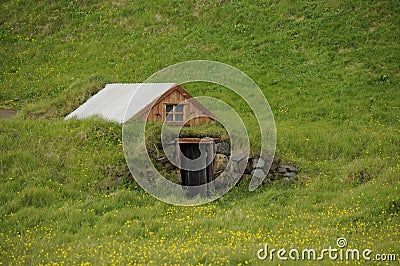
(158,112)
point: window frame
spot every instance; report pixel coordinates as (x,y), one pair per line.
(174,113)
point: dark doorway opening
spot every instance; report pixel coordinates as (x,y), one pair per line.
(197,168)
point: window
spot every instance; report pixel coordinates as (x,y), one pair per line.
(174,112)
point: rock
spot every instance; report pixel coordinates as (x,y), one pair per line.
(282,170)
(223,181)
(237,167)
(238,157)
(290,174)
(258,173)
(223,148)
(258,163)
(220,162)
(268,160)
(278,170)
(237,163)
(289,168)
(220,182)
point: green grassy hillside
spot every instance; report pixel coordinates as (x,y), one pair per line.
(330,71)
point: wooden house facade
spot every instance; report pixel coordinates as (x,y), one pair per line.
(176,106)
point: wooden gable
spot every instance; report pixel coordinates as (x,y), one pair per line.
(170,100)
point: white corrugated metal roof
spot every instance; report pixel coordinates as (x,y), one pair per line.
(116,99)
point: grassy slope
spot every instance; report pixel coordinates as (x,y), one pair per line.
(330,72)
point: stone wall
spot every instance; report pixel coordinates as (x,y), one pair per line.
(279,170)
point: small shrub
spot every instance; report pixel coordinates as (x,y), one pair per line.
(360,176)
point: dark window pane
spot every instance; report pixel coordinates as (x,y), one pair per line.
(169,117)
(169,108)
(178,117)
(179,108)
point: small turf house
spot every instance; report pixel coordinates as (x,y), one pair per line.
(121,102)
(163,102)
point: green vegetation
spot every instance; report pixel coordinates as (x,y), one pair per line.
(330,72)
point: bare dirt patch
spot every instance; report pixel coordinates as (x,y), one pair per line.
(7,113)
